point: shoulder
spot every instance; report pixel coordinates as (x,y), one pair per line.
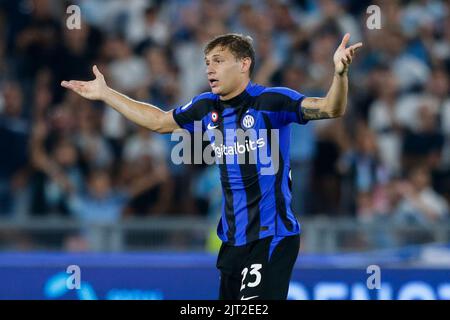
(201,102)
(283,92)
(260,91)
(275,98)
(206,97)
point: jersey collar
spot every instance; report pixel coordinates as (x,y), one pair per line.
(236,101)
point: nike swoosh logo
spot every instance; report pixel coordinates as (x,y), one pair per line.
(249,298)
(212,127)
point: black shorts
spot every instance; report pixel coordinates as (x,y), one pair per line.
(260,270)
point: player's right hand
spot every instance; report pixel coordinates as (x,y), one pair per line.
(93,90)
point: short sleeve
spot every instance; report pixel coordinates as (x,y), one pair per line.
(283,106)
(193,112)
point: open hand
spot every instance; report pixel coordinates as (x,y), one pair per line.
(92,90)
(344,56)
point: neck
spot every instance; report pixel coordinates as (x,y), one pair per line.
(239,89)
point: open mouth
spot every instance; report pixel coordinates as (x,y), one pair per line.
(213,82)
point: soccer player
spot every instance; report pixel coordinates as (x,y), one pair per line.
(260,234)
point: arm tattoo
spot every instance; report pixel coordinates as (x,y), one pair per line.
(314,114)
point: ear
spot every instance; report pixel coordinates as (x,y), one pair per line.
(245,64)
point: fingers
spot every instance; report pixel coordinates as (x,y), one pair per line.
(76,86)
(348,58)
(350,51)
(356,46)
(67,84)
(97,73)
(345,61)
(72,84)
(345,40)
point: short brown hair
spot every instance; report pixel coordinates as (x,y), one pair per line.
(239,45)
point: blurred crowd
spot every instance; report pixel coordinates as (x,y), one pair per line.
(62,155)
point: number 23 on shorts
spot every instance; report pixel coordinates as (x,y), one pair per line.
(254,272)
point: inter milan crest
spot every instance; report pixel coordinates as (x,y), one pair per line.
(248,121)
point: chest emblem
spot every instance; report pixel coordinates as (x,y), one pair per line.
(248,121)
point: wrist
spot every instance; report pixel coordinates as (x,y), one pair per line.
(341,73)
(105,93)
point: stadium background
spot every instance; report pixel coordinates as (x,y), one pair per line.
(372,188)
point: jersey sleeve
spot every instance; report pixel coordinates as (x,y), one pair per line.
(190,115)
(283,105)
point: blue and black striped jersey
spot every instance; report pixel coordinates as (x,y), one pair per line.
(256,189)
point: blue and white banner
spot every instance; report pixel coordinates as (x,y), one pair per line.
(194,276)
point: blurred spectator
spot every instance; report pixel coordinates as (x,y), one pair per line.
(425,143)
(128,71)
(320,63)
(149,25)
(38,40)
(100,204)
(57,173)
(331,141)
(103,205)
(145,145)
(78,49)
(384,122)
(301,155)
(361,169)
(191,60)
(163,88)
(14,134)
(208,189)
(94,149)
(332,12)
(420,204)
(145,154)
(3,59)
(434,96)
(411,71)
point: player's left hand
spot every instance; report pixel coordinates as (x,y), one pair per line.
(344,56)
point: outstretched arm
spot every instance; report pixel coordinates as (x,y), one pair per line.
(144,114)
(335,103)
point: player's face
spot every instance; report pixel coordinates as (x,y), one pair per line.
(224,71)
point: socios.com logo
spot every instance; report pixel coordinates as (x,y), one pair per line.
(56,288)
